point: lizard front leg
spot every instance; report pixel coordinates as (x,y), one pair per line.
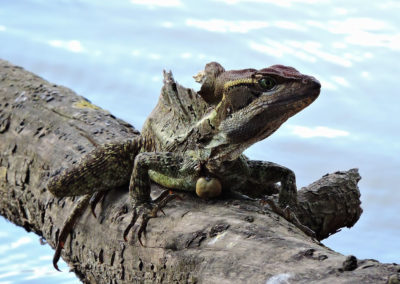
(266,172)
(167,169)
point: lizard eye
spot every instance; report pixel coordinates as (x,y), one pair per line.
(267,83)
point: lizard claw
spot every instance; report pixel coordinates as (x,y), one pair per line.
(131,223)
(290,216)
(148,211)
(95,199)
(57,254)
(68,226)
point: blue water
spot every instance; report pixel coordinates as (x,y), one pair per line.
(113,52)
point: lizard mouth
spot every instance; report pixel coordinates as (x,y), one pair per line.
(292,99)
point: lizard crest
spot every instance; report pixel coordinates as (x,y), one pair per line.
(233,110)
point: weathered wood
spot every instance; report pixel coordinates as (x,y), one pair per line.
(44,127)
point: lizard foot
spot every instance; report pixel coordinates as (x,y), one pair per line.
(148,211)
(290,216)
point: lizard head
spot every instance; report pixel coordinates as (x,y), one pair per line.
(249,105)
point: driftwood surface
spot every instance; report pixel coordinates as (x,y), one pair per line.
(45,127)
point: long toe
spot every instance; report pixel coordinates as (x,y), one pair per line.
(131,224)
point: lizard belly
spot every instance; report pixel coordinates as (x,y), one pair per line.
(187,183)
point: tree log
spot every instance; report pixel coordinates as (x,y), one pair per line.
(45,127)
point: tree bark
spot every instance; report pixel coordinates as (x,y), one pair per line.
(44,128)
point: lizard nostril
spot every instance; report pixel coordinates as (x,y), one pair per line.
(311,80)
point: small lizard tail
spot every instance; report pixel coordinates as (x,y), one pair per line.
(106,167)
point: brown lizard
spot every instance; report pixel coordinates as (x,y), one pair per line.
(193,141)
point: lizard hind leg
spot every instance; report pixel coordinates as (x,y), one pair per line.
(105,168)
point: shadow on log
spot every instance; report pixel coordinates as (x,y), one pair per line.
(44,128)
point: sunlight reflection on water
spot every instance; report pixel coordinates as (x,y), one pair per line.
(23,260)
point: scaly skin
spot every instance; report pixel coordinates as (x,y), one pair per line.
(192,136)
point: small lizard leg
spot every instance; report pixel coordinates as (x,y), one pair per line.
(167,169)
(267,172)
